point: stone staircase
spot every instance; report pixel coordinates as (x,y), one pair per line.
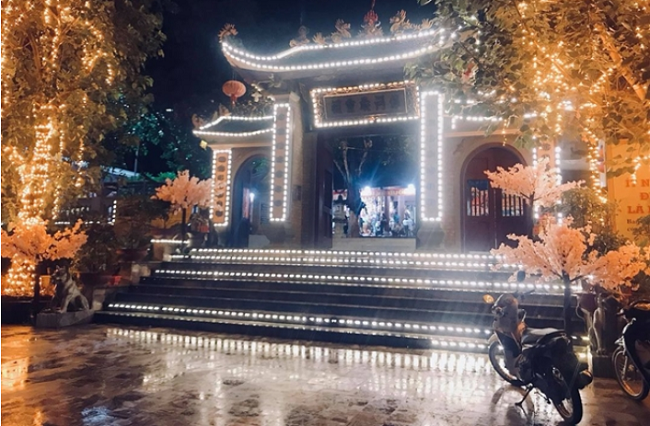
(424,300)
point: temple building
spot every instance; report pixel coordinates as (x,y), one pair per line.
(274,172)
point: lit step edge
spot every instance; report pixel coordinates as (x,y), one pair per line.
(448,342)
(357,263)
(447,290)
(461,285)
(301,319)
(437,329)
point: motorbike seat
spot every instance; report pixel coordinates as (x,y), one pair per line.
(533,335)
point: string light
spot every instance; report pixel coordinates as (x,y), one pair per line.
(280,153)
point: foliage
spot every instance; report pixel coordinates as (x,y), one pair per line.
(99,252)
(562,252)
(537,184)
(577,69)
(135,212)
(587,208)
(71,71)
(641,230)
(156,136)
(185,192)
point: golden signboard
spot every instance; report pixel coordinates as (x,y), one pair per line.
(631,195)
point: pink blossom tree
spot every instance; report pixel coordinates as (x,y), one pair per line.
(28,244)
(566,253)
(538,185)
(185,193)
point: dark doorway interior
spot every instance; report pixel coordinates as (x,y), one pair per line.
(250,200)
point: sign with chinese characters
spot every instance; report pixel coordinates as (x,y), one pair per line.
(365,104)
(382,102)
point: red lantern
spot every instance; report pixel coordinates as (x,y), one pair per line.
(234,89)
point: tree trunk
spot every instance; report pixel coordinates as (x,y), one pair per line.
(353,225)
(354,204)
(183,220)
(567,311)
(36,300)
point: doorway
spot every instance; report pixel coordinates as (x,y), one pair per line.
(488,214)
(250,200)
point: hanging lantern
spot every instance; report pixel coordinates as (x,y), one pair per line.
(234,89)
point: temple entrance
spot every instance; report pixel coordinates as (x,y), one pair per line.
(250,207)
(489,215)
(373,192)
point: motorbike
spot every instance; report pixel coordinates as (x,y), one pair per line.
(540,359)
(631,358)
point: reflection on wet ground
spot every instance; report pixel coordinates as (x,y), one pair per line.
(102,375)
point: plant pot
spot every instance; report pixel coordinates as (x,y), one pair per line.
(132,255)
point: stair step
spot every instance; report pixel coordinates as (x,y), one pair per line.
(298,331)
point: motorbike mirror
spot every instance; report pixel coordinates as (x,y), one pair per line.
(487,298)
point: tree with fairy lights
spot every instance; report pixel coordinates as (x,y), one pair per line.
(579,69)
(71,71)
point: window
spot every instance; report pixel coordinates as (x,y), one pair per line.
(512,205)
(478,203)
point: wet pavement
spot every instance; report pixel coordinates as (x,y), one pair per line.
(102,375)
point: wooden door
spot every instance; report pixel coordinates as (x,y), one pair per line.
(324,170)
(488,215)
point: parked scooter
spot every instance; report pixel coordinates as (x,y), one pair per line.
(536,358)
(631,358)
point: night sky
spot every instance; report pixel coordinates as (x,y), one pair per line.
(190,76)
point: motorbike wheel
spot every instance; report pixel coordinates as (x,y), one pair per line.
(498,361)
(628,377)
(570,406)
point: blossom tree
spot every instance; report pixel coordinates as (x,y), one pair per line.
(29,244)
(567,254)
(184,193)
(538,185)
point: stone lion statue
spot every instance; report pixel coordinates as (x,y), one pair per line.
(66,293)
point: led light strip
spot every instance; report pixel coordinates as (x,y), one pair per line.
(281,215)
(235,118)
(446,329)
(473,118)
(350,253)
(167,241)
(321,324)
(232,134)
(213,196)
(333,261)
(229,52)
(353,43)
(425,148)
(360,281)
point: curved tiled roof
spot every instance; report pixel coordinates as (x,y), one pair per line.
(312,59)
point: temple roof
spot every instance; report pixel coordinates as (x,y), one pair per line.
(231,128)
(310,60)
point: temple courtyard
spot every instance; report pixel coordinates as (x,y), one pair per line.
(104,375)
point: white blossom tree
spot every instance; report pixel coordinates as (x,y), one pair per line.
(567,254)
(185,193)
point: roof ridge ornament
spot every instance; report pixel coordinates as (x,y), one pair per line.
(372,25)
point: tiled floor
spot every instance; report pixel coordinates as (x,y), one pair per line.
(103,375)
